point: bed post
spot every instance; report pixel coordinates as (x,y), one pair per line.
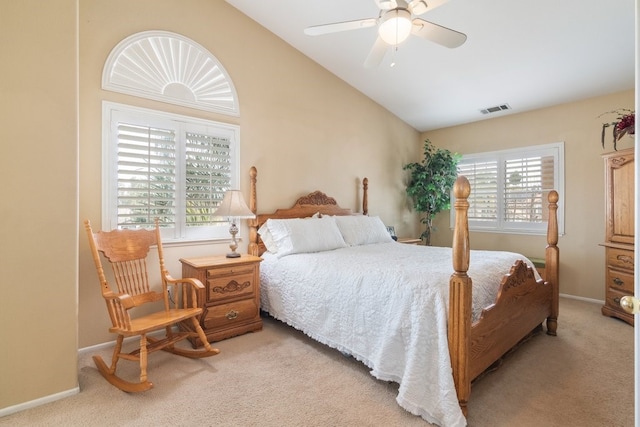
(552,264)
(459,328)
(365,197)
(253,205)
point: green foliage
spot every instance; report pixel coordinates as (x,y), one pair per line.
(430,183)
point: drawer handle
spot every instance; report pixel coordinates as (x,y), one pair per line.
(617,300)
(233,314)
(618,281)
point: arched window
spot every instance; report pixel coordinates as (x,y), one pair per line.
(171,68)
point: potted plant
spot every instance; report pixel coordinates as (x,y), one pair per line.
(430,184)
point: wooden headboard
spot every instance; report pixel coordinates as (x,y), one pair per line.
(305,206)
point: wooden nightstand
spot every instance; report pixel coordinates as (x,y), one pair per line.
(231,298)
(409,240)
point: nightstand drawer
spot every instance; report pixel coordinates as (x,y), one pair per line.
(224,287)
(620,281)
(228,314)
(230,271)
(620,258)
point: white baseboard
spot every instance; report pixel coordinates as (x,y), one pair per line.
(108,344)
(591,300)
(38,402)
(104,345)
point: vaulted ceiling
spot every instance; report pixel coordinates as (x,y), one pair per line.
(523,54)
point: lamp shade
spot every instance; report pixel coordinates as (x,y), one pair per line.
(395,26)
(233,206)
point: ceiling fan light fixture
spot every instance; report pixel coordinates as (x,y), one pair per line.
(395,26)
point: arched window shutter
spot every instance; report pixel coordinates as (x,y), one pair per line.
(168,67)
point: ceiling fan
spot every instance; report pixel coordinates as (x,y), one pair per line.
(396,21)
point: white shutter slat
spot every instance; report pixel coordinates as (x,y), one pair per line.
(523,201)
(208,173)
(482,176)
(145,175)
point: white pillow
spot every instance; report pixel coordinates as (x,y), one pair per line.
(297,235)
(362,230)
(267,238)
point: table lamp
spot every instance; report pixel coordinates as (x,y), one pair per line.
(233,208)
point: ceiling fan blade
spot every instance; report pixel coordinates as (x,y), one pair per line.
(438,34)
(376,54)
(317,30)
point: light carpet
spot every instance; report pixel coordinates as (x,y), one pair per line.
(280,377)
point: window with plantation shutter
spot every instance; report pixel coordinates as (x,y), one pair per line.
(167,166)
(509,188)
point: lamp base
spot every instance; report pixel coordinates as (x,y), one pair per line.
(233,230)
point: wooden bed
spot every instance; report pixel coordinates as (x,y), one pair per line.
(522,305)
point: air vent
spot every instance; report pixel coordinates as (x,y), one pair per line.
(495,109)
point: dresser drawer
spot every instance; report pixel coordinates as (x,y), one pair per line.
(620,258)
(620,280)
(613,298)
(227,315)
(227,286)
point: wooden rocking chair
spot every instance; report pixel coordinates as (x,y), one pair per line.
(126,251)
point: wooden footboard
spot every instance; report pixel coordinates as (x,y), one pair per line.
(522,303)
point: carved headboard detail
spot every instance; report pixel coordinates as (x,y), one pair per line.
(316,198)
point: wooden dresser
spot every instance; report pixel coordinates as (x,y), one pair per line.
(619,231)
(231,298)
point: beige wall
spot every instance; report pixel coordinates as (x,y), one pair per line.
(38,202)
(578,125)
(303,128)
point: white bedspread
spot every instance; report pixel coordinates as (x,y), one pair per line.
(386,305)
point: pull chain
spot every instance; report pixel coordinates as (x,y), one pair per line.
(393,56)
